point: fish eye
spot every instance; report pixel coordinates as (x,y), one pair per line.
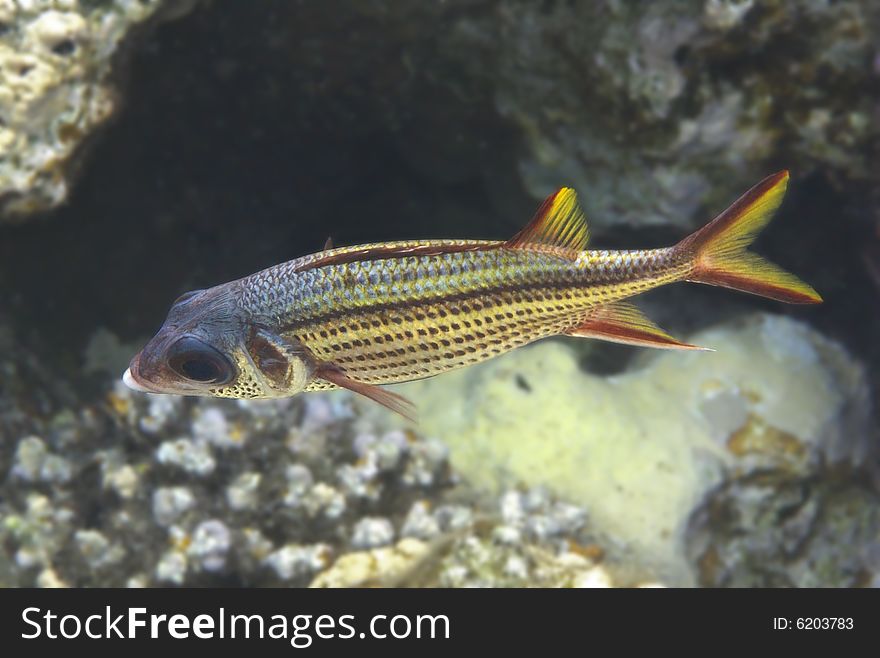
(198,362)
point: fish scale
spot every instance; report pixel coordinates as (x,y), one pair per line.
(398,319)
(357,317)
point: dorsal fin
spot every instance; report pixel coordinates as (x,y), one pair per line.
(328,244)
(559,224)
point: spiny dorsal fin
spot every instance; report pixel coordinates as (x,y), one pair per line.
(559,224)
(622,322)
(328,244)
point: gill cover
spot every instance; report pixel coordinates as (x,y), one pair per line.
(286,367)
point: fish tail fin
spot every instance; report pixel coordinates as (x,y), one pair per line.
(718,250)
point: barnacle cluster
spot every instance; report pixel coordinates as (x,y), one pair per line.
(324,489)
(751,466)
(194,491)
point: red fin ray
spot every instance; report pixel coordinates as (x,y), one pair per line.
(622,322)
(559,225)
(719,248)
(393,401)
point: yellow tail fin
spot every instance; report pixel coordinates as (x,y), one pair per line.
(719,248)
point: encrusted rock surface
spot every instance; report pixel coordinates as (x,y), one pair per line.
(653,454)
(750,466)
(56,60)
(147,490)
(657,114)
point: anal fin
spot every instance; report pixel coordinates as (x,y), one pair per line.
(622,322)
(397,403)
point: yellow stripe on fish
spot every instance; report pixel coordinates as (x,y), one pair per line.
(358,317)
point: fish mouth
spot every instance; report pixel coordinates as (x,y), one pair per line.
(129,380)
(133,378)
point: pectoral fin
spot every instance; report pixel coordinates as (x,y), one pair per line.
(622,322)
(393,401)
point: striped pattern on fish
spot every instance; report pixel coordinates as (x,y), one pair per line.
(359,317)
(412,316)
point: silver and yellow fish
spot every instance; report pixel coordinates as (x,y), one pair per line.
(358,317)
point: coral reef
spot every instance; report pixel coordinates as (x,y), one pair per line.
(654,112)
(152,490)
(144,490)
(643,452)
(531,540)
(56,60)
(657,114)
(738,468)
(750,466)
(762,530)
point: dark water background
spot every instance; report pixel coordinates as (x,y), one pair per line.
(245,140)
(249,132)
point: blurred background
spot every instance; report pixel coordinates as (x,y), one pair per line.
(152,147)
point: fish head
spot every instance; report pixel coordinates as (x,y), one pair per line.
(208,347)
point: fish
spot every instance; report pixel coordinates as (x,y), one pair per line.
(361,317)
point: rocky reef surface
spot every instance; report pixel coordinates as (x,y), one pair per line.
(682,459)
(143,490)
(654,112)
(243,138)
(744,467)
(710,92)
(56,61)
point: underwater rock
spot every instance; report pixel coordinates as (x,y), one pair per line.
(530,538)
(56,58)
(312,489)
(243,493)
(189,455)
(169,504)
(420,522)
(481,562)
(642,452)
(469,562)
(719,469)
(656,112)
(292,561)
(762,531)
(33,463)
(477,555)
(96,549)
(134,499)
(38,531)
(210,542)
(371,532)
(365,568)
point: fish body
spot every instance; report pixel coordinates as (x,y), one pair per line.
(360,317)
(438,305)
